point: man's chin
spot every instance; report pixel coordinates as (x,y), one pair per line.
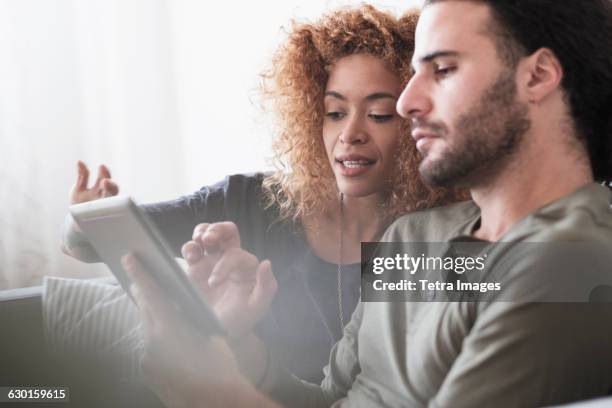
(435,174)
(428,171)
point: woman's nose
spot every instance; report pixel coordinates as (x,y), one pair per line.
(354,132)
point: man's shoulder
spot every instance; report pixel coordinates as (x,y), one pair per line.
(562,252)
(433,224)
(587,220)
(577,227)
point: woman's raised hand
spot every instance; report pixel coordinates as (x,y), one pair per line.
(103,187)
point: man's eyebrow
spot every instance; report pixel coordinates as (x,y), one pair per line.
(432,56)
(335,95)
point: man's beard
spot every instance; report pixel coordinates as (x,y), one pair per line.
(485,139)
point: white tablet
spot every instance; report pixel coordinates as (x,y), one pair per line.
(114,227)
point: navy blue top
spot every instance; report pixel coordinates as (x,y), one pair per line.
(303,323)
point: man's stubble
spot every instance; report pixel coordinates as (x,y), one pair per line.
(486,139)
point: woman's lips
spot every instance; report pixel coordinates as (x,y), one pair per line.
(353,168)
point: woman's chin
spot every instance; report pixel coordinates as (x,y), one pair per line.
(359,190)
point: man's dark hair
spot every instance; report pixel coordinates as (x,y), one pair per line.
(579,33)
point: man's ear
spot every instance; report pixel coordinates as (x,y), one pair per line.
(542,73)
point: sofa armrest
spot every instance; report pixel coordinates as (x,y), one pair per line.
(22,347)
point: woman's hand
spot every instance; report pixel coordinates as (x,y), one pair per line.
(74,242)
(182,365)
(236,285)
(103,187)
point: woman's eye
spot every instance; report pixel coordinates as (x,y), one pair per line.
(444,71)
(381,118)
(335,115)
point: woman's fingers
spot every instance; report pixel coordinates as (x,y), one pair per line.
(82,176)
(235,264)
(109,188)
(200,265)
(103,187)
(224,233)
(199,229)
(192,252)
(265,287)
(217,236)
(198,233)
(103,173)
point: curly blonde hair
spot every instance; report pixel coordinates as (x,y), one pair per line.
(295,86)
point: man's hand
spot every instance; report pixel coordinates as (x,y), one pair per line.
(237,286)
(103,187)
(183,366)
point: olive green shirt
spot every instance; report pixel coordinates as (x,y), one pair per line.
(467,354)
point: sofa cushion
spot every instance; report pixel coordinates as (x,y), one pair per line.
(93,329)
(92,316)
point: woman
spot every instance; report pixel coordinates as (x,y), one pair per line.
(346,168)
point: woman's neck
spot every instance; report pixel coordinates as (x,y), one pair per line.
(361,217)
(360,221)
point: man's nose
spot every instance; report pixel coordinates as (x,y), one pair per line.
(414,101)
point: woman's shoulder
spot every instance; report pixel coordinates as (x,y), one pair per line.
(239,189)
(240,181)
(236,192)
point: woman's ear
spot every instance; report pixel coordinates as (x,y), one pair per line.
(542,73)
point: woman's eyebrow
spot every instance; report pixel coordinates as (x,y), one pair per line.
(371,97)
(380,95)
(335,95)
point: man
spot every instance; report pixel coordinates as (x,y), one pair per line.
(511,99)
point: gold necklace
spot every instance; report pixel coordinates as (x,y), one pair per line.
(339,264)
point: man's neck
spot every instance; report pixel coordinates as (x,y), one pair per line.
(522,189)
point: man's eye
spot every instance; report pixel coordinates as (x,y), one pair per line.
(335,115)
(381,118)
(444,71)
